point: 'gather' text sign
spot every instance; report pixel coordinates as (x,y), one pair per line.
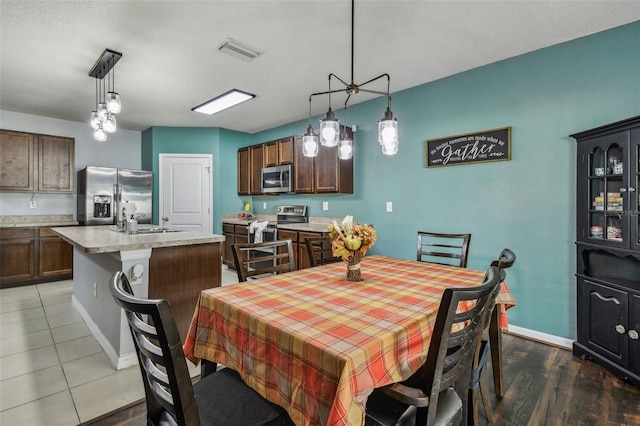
(477,147)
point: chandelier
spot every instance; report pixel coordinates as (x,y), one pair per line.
(103,118)
(330,135)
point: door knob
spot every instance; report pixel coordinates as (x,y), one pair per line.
(633,334)
(620,329)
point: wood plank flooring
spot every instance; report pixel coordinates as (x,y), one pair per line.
(543,385)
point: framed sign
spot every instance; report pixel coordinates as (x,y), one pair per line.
(477,147)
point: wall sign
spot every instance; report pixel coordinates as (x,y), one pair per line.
(477,147)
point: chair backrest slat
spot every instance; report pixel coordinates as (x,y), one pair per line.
(320,251)
(270,257)
(434,247)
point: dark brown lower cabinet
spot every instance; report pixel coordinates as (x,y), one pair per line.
(33,255)
(301,257)
(234,234)
(180,273)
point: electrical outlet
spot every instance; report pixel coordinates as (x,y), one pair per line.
(95,289)
(325,205)
(32,204)
(389,206)
(264,205)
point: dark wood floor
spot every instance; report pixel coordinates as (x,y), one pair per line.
(544,385)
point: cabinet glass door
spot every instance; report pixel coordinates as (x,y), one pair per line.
(607,187)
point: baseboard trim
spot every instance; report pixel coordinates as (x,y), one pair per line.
(538,336)
(118,362)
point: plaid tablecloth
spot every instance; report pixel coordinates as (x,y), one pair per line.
(317,344)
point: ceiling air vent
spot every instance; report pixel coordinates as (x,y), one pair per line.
(239,50)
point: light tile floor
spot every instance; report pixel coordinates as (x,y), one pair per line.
(52,370)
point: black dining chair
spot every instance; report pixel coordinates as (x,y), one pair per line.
(320,251)
(437,393)
(443,249)
(478,380)
(221,398)
(272,257)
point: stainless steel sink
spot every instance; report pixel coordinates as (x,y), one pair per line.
(157,230)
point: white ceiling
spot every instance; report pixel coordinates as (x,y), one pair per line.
(171,63)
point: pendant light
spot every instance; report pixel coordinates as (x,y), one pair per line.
(345,145)
(310,140)
(113,98)
(103,119)
(330,126)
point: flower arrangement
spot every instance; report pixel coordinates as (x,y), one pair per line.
(350,243)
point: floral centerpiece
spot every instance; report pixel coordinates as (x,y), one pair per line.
(350,243)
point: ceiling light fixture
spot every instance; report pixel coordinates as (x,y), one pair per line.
(226,100)
(239,50)
(330,126)
(103,119)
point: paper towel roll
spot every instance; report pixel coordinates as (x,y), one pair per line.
(128,209)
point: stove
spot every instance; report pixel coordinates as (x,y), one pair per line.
(291,214)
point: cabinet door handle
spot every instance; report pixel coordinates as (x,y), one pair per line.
(632,189)
(623,190)
(620,329)
(633,334)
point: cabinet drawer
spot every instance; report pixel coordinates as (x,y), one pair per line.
(227,228)
(242,230)
(283,234)
(10,233)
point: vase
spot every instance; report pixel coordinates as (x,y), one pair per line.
(353,267)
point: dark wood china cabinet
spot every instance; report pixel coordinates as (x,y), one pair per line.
(608,247)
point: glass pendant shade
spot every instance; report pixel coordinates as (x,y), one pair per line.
(310,143)
(345,147)
(388,129)
(95,121)
(390,148)
(110,125)
(99,134)
(113,102)
(102,111)
(329,130)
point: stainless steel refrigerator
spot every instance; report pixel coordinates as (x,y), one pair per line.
(103,190)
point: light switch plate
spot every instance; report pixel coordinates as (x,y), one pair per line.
(264,205)
(325,205)
(389,206)
(32,204)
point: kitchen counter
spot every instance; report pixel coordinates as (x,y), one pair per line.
(175,266)
(102,239)
(24,221)
(315,224)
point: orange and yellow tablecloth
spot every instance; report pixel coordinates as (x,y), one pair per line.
(317,344)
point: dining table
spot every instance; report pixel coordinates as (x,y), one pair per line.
(317,344)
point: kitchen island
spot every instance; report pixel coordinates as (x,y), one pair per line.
(170,265)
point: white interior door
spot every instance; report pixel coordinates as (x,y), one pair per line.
(186,197)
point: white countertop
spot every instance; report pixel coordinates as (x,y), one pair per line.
(102,239)
(28,221)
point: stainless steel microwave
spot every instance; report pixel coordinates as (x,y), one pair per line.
(277,179)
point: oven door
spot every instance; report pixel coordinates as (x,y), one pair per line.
(268,234)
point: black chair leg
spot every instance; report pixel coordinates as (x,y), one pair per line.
(207,367)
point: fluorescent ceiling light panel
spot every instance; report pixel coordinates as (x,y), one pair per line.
(226,100)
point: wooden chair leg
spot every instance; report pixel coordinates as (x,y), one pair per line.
(484,393)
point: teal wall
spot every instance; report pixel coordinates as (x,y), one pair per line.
(222,144)
(526,204)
